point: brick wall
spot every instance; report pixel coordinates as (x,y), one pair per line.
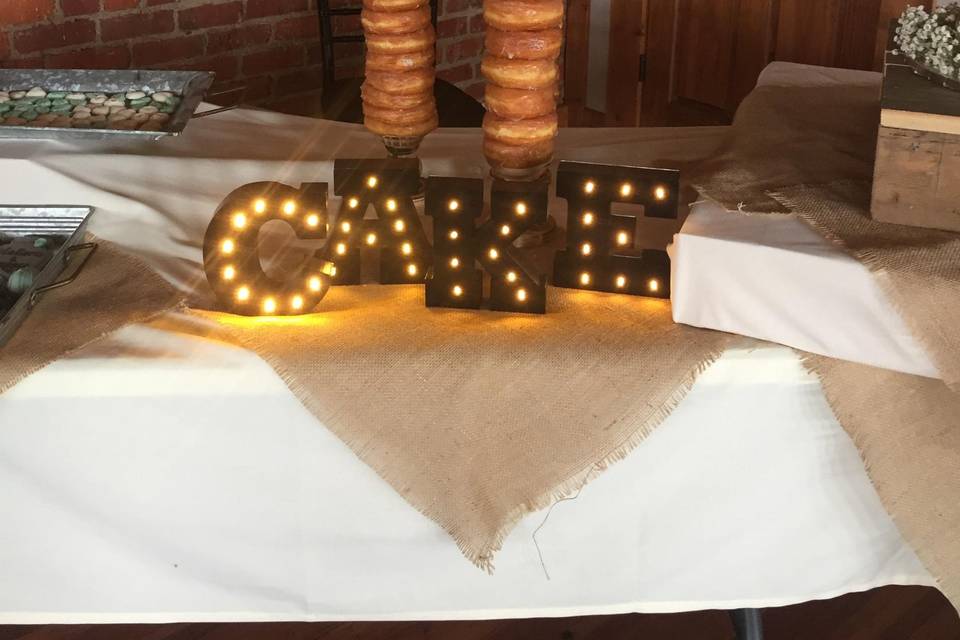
(271,46)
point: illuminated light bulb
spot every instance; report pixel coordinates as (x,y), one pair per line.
(228,246)
(289,208)
(259,205)
(353,203)
(584,278)
(412,269)
(653,285)
(623,238)
(391,205)
(341,248)
(511,276)
(314,284)
(406,248)
(372,182)
(588,219)
(313,220)
(660,193)
(229,272)
(493,253)
(453,205)
(454,262)
(243,293)
(269,305)
(521,209)
(371,239)
(453,235)
(589,186)
(457,290)
(621,282)
(345,227)
(505,230)
(239,220)
(586,248)
(522,295)
(399,226)
(333,271)
(626,190)
(296,303)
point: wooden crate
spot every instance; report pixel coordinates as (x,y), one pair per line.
(917,174)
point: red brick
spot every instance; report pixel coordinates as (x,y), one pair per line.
(257,88)
(23,11)
(79,7)
(456,6)
(156,51)
(119,5)
(299,82)
(457,74)
(210,15)
(345,25)
(239,37)
(263,8)
(273,60)
(452,27)
(115,57)
(224,67)
(153,3)
(315,54)
(22,63)
(55,36)
(477,25)
(476,90)
(136,25)
(4,46)
(301,28)
(464,49)
(302,105)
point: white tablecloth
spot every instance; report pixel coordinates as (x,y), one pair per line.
(161,476)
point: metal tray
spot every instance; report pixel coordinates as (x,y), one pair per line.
(190,85)
(68,222)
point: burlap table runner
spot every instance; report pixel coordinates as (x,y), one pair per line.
(113,290)
(479,418)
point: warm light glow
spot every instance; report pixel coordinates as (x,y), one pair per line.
(243,294)
(653,285)
(505,230)
(259,205)
(333,270)
(522,295)
(391,205)
(453,205)
(229,272)
(521,209)
(353,203)
(590,186)
(345,226)
(372,182)
(269,305)
(228,246)
(371,239)
(457,290)
(493,253)
(412,269)
(586,248)
(239,220)
(399,226)
(511,276)
(588,219)
(621,282)
(454,234)
(455,262)
(296,303)
(584,278)
(406,248)
(623,238)
(289,208)
(314,284)
(341,248)
(626,190)
(660,193)
(313,220)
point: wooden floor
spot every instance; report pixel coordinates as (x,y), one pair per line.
(889,613)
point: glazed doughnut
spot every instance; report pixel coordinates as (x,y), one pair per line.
(519,74)
(402,83)
(400,62)
(395,22)
(373,96)
(525,45)
(518,156)
(523,15)
(405,130)
(517,104)
(403,43)
(392,116)
(520,132)
(393,5)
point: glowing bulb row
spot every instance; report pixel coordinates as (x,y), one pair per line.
(653,285)
(626,190)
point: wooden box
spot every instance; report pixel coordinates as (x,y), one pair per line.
(916,179)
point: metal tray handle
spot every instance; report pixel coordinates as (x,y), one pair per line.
(241,90)
(88,247)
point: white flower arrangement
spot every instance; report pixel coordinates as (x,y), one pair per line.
(931,40)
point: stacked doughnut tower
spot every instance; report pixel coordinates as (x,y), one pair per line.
(397,94)
(523,42)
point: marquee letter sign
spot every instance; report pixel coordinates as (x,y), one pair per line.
(455,204)
(231,256)
(595,235)
(388,186)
